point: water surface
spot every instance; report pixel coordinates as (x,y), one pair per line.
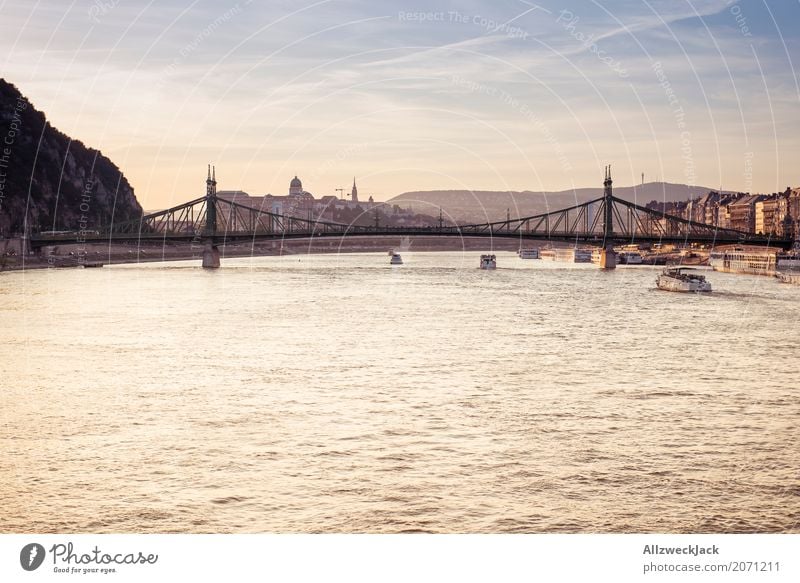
(338,394)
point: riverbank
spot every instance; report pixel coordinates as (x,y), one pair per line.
(72,256)
(66,256)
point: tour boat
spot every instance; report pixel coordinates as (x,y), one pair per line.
(532,253)
(739,260)
(488,262)
(677,279)
(396,259)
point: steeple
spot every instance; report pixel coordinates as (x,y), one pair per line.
(354,192)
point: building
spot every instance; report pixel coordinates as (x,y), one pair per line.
(742,213)
(793,203)
(783,219)
(765,216)
(774,215)
(295,186)
(354,192)
(759,210)
(705,210)
(297,202)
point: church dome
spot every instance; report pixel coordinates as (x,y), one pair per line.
(295,183)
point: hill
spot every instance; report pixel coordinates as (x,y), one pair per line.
(487,205)
(59,182)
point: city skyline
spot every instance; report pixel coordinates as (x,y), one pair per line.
(521,96)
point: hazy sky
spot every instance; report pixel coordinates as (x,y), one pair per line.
(417,95)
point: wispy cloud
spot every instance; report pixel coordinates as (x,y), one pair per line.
(267,90)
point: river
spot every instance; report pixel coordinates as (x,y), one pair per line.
(334,393)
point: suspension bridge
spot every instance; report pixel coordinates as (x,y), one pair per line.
(214,221)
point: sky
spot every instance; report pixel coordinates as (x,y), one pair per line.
(413,95)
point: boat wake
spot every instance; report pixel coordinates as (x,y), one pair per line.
(740,296)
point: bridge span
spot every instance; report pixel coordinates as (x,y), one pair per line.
(604,222)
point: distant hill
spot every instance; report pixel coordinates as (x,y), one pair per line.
(70,186)
(489,205)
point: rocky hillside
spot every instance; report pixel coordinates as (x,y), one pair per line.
(70,186)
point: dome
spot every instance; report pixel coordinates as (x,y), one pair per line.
(295,183)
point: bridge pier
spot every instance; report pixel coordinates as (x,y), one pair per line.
(608,258)
(210,256)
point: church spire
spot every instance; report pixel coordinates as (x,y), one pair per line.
(354,192)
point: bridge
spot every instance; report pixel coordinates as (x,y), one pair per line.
(213,221)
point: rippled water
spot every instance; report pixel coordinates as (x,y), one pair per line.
(338,394)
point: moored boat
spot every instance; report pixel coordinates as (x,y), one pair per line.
(739,260)
(531,253)
(789,261)
(567,254)
(788,277)
(629,258)
(396,259)
(681,279)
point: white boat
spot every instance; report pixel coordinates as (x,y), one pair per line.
(739,260)
(789,261)
(532,253)
(396,259)
(790,277)
(680,279)
(629,258)
(488,262)
(567,254)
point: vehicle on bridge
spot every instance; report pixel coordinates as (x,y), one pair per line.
(57,233)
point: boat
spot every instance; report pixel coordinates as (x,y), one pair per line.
(567,254)
(739,260)
(629,258)
(532,253)
(680,279)
(789,261)
(396,259)
(488,262)
(549,254)
(788,277)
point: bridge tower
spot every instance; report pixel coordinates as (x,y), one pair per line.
(210,250)
(608,257)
